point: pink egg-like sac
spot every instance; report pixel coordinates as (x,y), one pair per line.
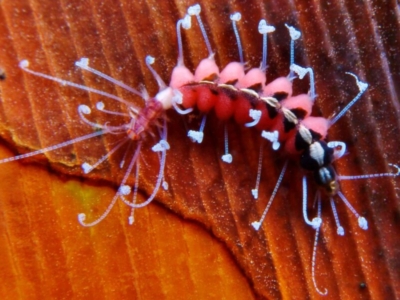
(301,101)
(206,69)
(281,84)
(252,78)
(317,124)
(233,71)
(180,76)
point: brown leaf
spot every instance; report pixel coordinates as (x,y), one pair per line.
(45,253)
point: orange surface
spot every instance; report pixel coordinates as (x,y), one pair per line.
(46,254)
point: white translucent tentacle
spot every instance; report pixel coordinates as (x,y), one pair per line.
(24,64)
(294,35)
(158,183)
(131,218)
(227,157)
(101,107)
(83,63)
(87,168)
(362,87)
(186,24)
(367,176)
(316,222)
(256,225)
(82,216)
(314,253)
(149,61)
(55,147)
(254,191)
(197,136)
(264,29)
(195,11)
(362,222)
(339,228)
(303,72)
(235,17)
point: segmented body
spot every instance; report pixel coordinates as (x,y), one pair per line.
(145,120)
(289,116)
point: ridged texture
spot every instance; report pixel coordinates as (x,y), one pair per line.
(44,253)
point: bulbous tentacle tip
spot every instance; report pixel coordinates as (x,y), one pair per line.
(194,10)
(363,223)
(254,192)
(340,231)
(124,190)
(264,28)
(227,158)
(256,225)
(23,64)
(165,185)
(316,223)
(398,169)
(235,16)
(87,168)
(84,109)
(82,218)
(293,32)
(83,62)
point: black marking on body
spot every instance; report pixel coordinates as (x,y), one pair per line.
(230,93)
(280,96)
(308,162)
(300,144)
(232,82)
(287,125)
(214,91)
(316,136)
(272,111)
(299,113)
(212,77)
(256,87)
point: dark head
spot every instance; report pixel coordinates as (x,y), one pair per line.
(318,158)
(326,178)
